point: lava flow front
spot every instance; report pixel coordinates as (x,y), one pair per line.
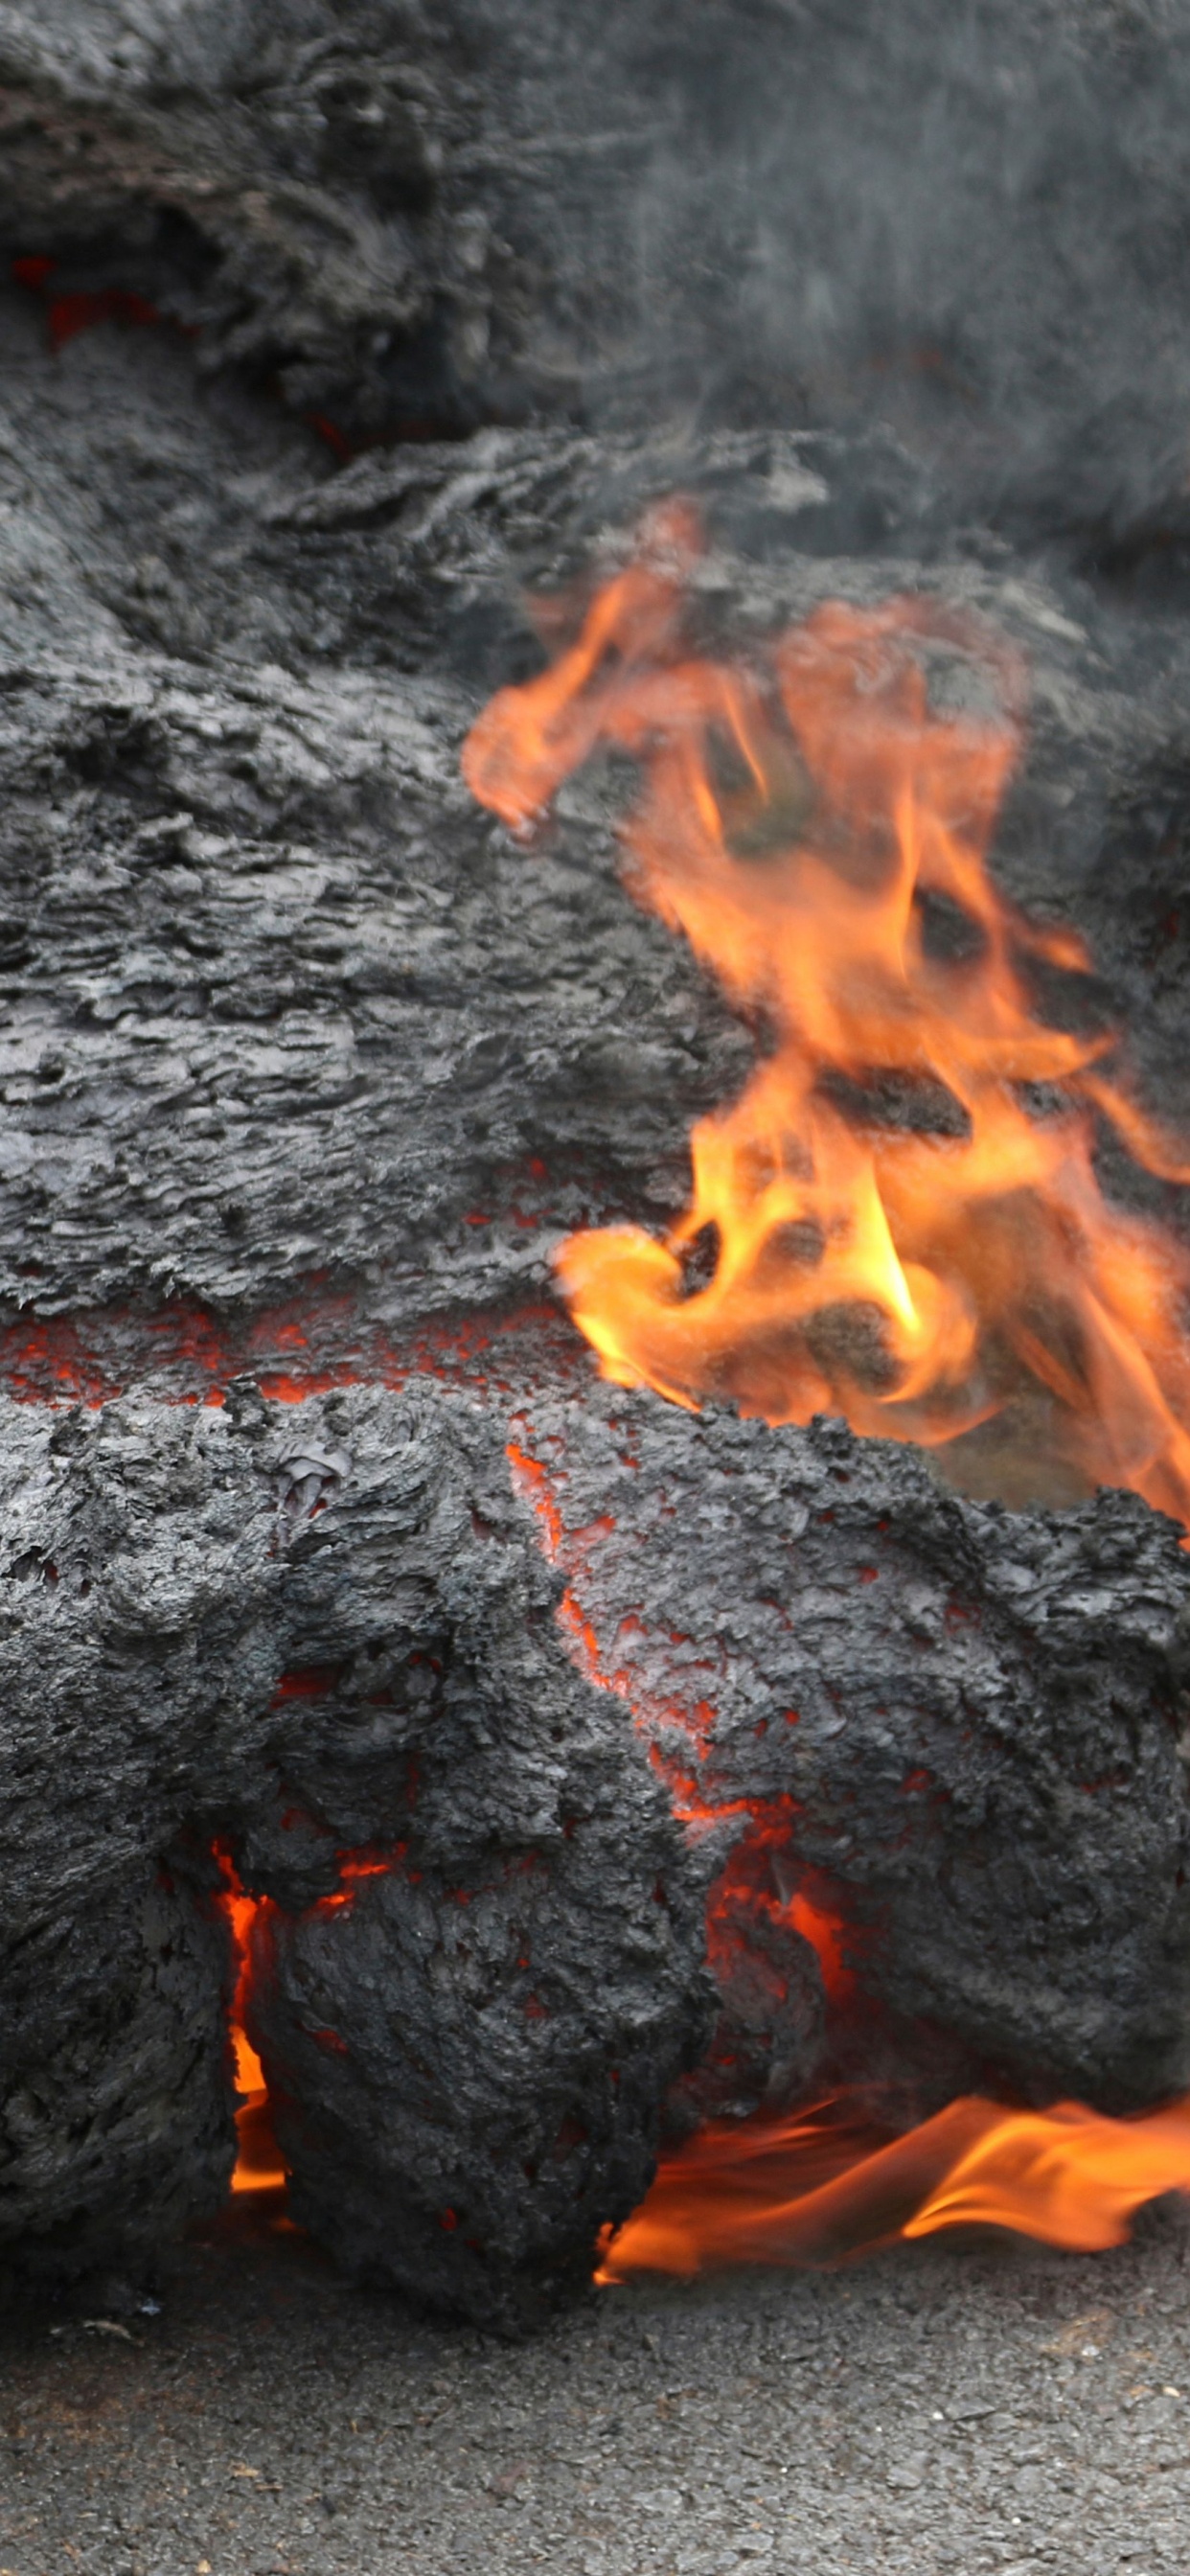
(900,1221)
(901,1213)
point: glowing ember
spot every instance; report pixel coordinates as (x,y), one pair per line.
(815,2189)
(901,1213)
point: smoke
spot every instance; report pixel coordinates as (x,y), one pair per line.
(969,219)
(973,221)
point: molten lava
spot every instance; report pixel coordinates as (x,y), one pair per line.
(901,1214)
(258,2165)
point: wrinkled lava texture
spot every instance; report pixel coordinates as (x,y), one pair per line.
(329,336)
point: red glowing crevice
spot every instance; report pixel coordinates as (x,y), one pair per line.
(369,1861)
(748,1886)
(258,2165)
(72,312)
(184,1354)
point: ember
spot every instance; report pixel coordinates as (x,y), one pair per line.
(258,2165)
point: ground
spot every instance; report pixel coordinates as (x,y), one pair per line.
(941,2409)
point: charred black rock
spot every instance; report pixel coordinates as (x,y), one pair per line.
(304,1067)
(414,218)
(281,1004)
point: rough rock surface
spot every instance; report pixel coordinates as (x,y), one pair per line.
(300,1633)
(959,1727)
(279,1002)
(303,1063)
(325,1638)
(412,216)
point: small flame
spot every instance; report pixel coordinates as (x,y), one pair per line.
(901,1212)
(819,2188)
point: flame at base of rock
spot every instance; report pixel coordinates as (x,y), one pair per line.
(820,2188)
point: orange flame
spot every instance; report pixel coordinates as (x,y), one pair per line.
(816,2189)
(902,1207)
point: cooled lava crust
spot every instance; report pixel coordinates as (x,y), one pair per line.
(305,1067)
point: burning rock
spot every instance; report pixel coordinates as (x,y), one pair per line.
(309,1068)
(944,1741)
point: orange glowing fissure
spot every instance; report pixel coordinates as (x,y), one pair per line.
(258,2165)
(902,1221)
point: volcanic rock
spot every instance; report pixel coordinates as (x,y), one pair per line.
(961,1728)
(324,1638)
(303,1633)
(283,1005)
(305,1067)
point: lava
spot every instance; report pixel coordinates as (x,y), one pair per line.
(85,309)
(307,1346)
(901,1213)
(258,2165)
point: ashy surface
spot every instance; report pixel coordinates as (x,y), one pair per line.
(413,216)
(937,2410)
(281,1005)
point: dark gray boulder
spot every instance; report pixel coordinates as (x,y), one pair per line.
(961,1730)
(296,1633)
(325,1638)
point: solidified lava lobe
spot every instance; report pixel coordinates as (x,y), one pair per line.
(899,1221)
